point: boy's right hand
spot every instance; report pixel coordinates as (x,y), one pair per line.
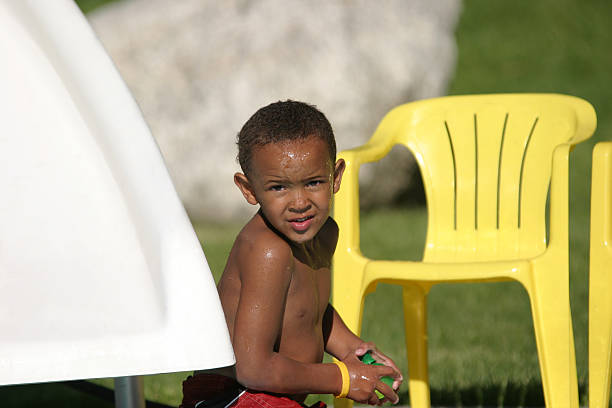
(365,379)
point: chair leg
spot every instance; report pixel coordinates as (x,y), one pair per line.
(574,395)
(350,311)
(415,317)
(555,340)
(343,403)
(600,341)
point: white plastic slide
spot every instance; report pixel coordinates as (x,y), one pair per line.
(101,274)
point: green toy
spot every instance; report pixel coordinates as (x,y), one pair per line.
(368,359)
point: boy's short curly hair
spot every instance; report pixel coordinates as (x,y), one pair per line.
(283,121)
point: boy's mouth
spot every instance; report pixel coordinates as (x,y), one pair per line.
(301,224)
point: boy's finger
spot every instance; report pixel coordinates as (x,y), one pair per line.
(388,392)
(387,371)
(381,358)
(373,400)
(390,363)
(397,376)
(364,348)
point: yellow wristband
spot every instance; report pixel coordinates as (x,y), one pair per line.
(346,380)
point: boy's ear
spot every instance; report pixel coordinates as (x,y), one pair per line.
(245,188)
(338,172)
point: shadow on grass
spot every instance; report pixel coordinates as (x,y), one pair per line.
(73,394)
(492,395)
(78,394)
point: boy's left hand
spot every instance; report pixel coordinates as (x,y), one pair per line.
(380,358)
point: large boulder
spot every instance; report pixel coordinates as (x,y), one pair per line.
(200,68)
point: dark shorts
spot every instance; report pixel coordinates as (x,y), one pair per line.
(218,391)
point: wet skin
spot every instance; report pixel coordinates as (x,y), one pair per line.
(276,285)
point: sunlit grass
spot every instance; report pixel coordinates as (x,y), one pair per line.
(480,335)
(89,5)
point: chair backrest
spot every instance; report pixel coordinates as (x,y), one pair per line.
(486,163)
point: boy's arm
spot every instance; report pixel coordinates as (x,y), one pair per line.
(342,343)
(339,339)
(265,272)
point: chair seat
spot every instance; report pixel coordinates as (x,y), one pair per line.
(435,272)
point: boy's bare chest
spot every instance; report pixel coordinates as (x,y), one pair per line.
(308,295)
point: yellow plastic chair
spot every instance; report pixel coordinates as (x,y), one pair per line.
(600,278)
(487,162)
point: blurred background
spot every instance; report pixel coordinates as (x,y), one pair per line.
(199,69)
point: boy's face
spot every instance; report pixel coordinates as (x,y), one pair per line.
(293,182)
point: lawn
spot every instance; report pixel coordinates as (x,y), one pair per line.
(482,349)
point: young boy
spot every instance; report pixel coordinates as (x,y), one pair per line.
(276,285)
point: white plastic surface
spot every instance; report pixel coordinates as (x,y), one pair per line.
(101,274)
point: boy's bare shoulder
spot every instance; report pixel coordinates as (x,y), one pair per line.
(258,248)
(329,235)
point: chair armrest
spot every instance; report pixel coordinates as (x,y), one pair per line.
(383,139)
(586,120)
(559,202)
(346,202)
(601,195)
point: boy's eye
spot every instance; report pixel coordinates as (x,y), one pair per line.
(277,187)
(314,183)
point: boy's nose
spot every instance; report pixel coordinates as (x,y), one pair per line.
(300,203)
(299,210)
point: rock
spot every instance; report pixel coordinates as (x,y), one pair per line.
(200,68)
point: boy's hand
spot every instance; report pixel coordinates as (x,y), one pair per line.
(381,358)
(365,379)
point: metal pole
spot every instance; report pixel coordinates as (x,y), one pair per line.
(129,392)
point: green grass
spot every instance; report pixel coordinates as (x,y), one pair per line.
(89,5)
(543,46)
(482,350)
